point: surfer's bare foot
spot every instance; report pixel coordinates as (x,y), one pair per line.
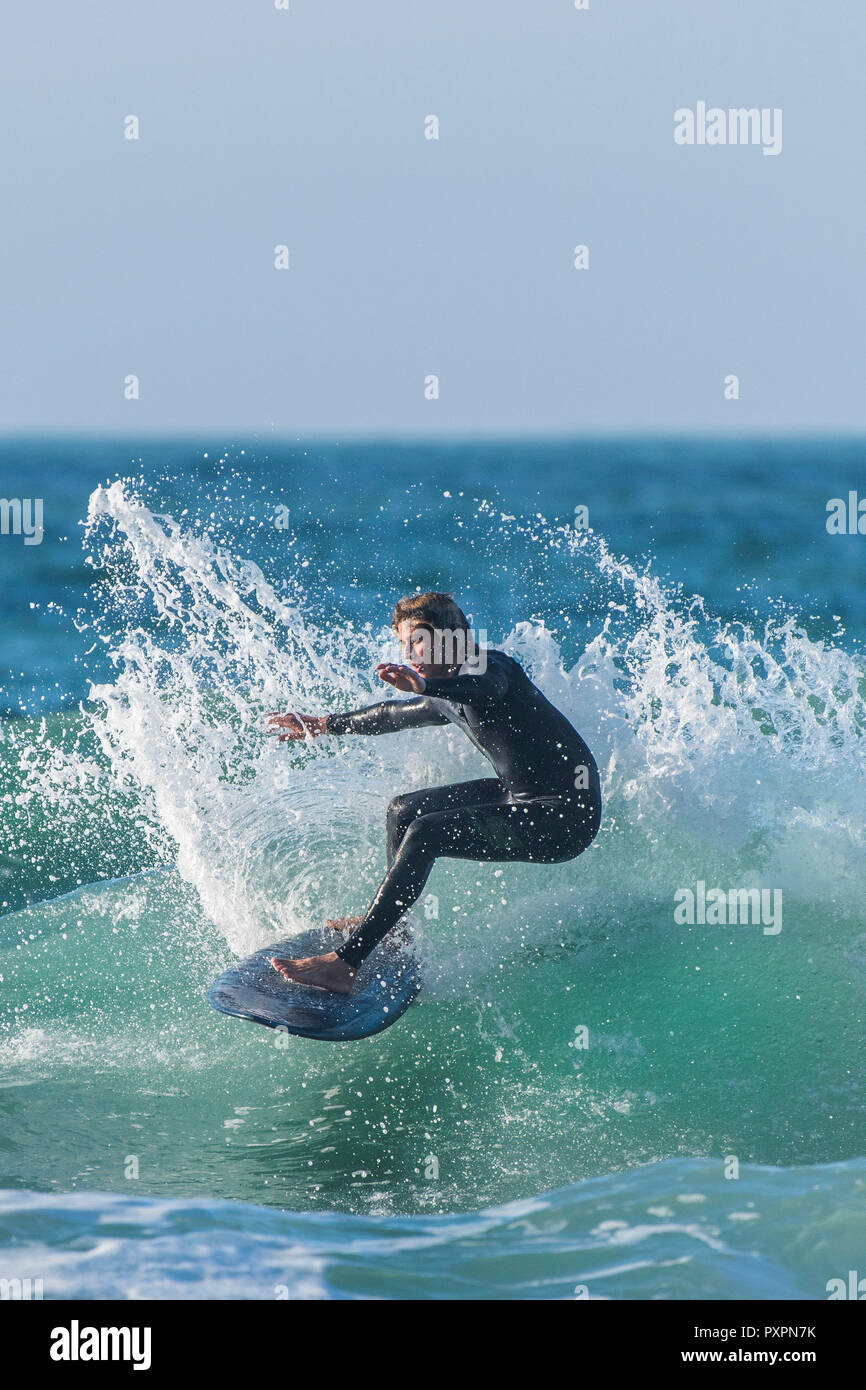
(322,972)
(342,923)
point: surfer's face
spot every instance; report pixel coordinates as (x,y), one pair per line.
(419,647)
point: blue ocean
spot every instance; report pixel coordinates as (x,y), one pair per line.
(590,1098)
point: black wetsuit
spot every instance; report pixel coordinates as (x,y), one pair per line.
(543,806)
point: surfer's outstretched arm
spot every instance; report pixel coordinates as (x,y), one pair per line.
(386,718)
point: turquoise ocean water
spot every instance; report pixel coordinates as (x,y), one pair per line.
(706,637)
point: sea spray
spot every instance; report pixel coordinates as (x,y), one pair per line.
(730,753)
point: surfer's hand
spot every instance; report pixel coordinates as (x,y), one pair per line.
(296,726)
(402,677)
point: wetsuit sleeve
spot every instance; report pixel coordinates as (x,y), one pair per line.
(386,718)
(492,685)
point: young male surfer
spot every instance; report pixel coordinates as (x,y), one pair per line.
(543,806)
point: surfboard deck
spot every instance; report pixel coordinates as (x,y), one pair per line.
(385,985)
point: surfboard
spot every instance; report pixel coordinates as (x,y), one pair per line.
(385,985)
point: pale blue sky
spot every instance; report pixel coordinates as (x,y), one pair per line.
(410,256)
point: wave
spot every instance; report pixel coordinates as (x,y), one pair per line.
(730,753)
(670,1231)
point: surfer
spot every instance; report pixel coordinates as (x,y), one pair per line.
(542,807)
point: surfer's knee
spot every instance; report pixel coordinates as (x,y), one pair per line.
(418,839)
(402,811)
(396,809)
